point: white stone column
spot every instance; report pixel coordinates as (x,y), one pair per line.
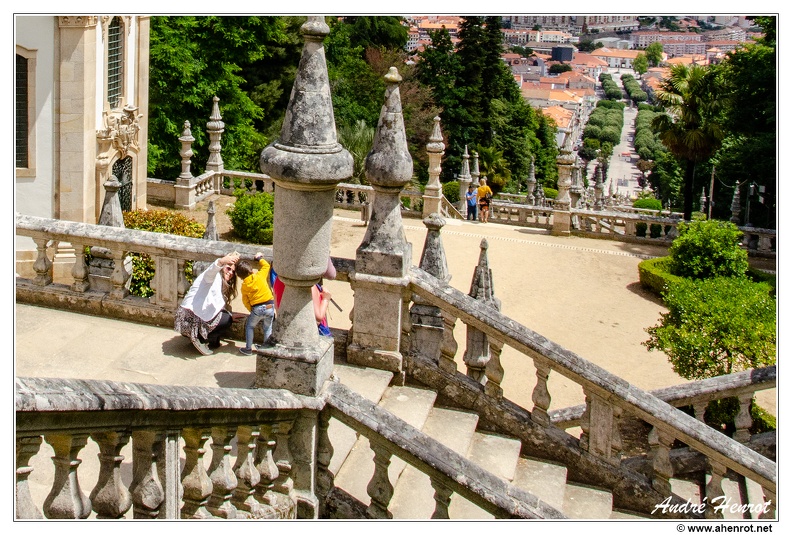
(306,162)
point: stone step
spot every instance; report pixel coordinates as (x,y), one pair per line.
(543,479)
(413,496)
(411,405)
(626,515)
(584,502)
(369,383)
(496,454)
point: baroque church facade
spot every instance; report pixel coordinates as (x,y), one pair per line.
(81,115)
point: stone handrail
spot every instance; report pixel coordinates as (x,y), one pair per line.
(521,214)
(269,478)
(449,210)
(604,389)
(696,394)
(447,469)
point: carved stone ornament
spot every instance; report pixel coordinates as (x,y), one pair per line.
(121,129)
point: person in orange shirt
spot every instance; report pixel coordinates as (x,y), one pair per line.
(484,199)
(257,298)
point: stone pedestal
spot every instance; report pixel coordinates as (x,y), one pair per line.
(298,369)
(434,191)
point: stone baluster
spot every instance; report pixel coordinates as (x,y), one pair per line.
(26,448)
(380,489)
(146,489)
(324,454)
(110,497)
(121,273)
(80,268)
(743,420)
(464,180)
(215,127)
(246,473)
(268,471)
(660,455)
(284,484)
(43,265)
(541,395)
(477,352)
(699,409)
(182,284)
(494,370)
(714,489)
(428,325)
(224,481)
(384,256)
(433,191)
(307,163)
(195,480)
(442,498)
(584,425)
(66,499)
(735,205)
(169,472)
(769,510)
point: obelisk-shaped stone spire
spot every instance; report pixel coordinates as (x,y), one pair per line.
(306,163)
(384,251)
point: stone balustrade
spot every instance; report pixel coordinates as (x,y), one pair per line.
(267,458)
(594,457)
(270,476)
(608,399)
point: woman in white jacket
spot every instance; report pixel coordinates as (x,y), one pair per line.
(205,312)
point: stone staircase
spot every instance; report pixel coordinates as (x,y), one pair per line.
(353,465)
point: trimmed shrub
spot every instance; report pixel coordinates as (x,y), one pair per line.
(650,204)
(167,222)
(716,326)
(550,193)
(655,276)
(706,249)
(451,191)
(251,217)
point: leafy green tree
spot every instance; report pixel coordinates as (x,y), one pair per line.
(193,59)
(690,129)
(493,165)
(749,153)
(589,46)
(716,327)
(558,68)
(523,51)
(654,53)
(380,31)
(357,139)
(640,64)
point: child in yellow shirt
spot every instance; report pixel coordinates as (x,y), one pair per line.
(257,298)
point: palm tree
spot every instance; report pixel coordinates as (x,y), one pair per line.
(689,129)
(494,166)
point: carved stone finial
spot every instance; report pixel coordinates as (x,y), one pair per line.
(389,163)
(433,257)
(211,228)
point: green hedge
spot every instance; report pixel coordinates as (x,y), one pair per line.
(655,276)
(651,204)
(451,191)
(165,221)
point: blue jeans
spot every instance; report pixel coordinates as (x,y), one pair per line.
(261,313)
(472,212)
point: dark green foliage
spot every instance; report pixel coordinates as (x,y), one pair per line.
(481,104)
(720,414)
(380,31)
(550,193)
(251,217)
(716,326)
(247,62)
(558,68)
(706,249)
(655,230)
(640,231)
(650,204)
(167,222)
(451,191)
